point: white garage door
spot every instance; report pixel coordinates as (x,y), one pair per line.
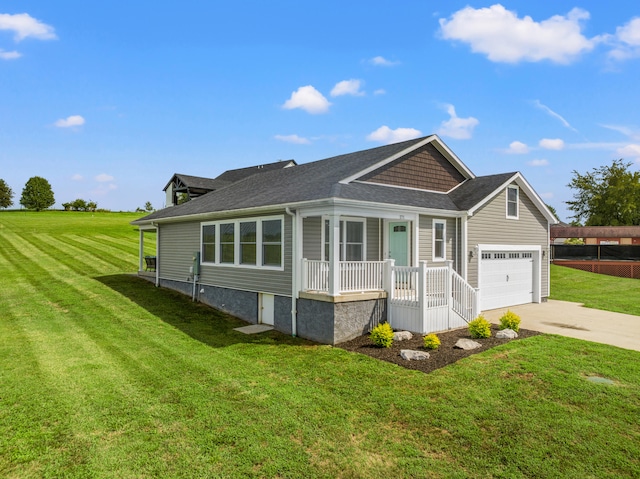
(506,278)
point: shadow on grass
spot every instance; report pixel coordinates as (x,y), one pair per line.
(199,321)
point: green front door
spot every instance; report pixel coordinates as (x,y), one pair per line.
(399,242)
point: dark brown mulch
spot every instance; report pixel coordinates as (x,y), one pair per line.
(444,355)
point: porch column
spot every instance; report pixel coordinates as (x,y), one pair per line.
(334,255)
(141,251)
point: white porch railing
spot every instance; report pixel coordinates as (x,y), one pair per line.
(425,299)
(355,276)
(420,299)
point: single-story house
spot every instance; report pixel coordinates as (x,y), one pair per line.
(328,249)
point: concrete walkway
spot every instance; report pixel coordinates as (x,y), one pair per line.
(575,321)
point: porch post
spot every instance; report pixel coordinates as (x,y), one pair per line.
(448,291)
(334,255)
(422,294)
(141,250)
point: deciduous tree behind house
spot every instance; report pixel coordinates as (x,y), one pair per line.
(607,196)
(6,194)
(37,194)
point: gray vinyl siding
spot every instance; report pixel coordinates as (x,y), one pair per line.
(489,225)
(373,239)
(179,241)
(312,238)
(425,239)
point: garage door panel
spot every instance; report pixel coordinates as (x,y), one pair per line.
(506,279)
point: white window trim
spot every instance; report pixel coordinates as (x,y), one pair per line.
(434,258)
(343,242)
(513,187)
(236,262)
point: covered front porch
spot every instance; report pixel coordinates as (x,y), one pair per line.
(413,261)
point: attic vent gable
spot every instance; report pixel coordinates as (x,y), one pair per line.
(425,169)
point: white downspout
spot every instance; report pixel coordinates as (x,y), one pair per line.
(294,270)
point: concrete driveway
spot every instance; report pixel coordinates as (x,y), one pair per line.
(576,321)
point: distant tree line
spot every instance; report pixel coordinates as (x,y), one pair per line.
(80,205)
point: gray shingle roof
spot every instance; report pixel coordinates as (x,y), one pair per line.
(473,191)
(321,180)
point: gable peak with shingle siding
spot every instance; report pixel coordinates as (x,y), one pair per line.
(425,169)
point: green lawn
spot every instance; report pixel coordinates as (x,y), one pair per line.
(103,375)
(597,291)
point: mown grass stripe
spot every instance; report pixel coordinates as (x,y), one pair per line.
(91,244)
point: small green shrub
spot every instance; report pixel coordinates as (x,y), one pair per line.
(480,328)
(510,320)
(382,335)
(431,341)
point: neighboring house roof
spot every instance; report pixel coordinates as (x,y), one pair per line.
(228,177)
(343,177)
(558,231)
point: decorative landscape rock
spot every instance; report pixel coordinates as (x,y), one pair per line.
(466,344)
(411,355)
(506,334)
(402,336)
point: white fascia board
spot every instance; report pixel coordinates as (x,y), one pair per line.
(386,211)
(439,145)
(529,191)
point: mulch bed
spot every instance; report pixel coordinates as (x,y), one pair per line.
(444,355)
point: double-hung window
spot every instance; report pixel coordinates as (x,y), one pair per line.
(227,243)
(272,243)
(352,240)
(439,240)
(248,242)
(209,243)
(251,242)
(512,201)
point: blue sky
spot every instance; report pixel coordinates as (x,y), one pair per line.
(108,99)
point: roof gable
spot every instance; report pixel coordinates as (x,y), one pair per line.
(408,148)
(425,168)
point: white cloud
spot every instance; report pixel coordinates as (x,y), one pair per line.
(547,195)
(103,190)
(309,99)
(382,62)
(24,26)
(518,148)
(551,144)
(455,127)
(386,135)
(70,121)
(9,55)
(347,87)
(77,177)
(504,37)
(625,130)
(540,162)
(626,41)
(554,114)
(630,151)
(104,178)
(295,139)
(380,91)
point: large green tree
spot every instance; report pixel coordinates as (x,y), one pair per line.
(37,194)
(6,194)
(606,196)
